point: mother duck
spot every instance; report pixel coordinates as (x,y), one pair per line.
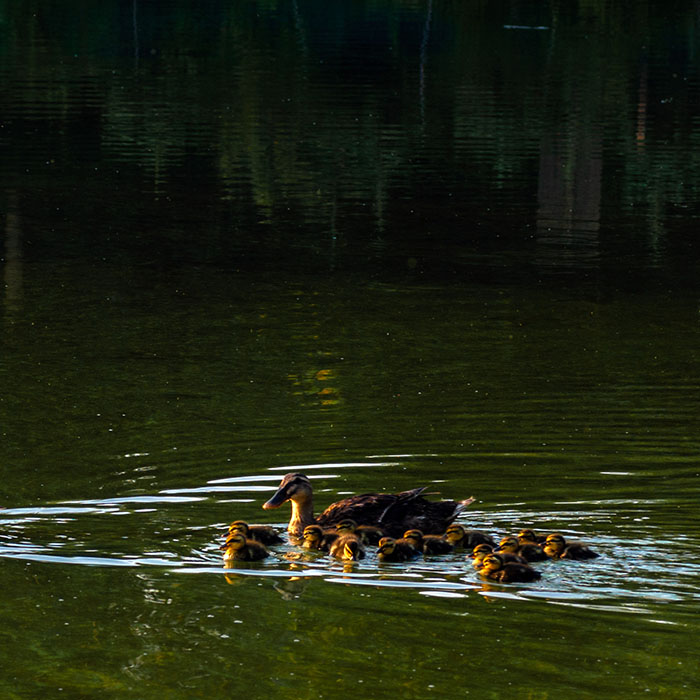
(394,513)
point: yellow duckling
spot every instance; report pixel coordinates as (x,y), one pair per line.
(347,547)
(557,547)
(395,550)
(529,552)
(238,548)
(482,550)
(495,568)
(265,534)
(461,538)
(427,544)
(527,536)
(315,538)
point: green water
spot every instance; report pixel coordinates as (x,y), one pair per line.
(389,244)
(160,422)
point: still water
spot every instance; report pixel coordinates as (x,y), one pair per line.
(389,244)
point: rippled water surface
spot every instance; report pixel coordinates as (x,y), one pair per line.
(388,244)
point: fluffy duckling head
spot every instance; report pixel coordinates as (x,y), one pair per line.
(554,545)
(346,527)
(455,533)
(479,553)
(311,539)
(492,562)
(415,537)
(239,526)
(527,537)
(235,542)
(387,546)
(508,544)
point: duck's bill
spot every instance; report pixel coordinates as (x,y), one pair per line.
(277,500)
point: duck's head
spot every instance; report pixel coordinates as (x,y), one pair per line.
(415,537)
(527,537)
(234,542)
(508,544)
(346,526)
(387,545)
(492,562)
(293,487)
(455,533)
(239,526)
(554,545)
(479,552)
(313,534)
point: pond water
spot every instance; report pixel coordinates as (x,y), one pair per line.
(390,245)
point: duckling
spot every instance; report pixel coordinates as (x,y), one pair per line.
(265,534)
(427,544)
(557,547)
(369,534)
(394,550)
(527,536)
(495,568)
(529,552)
(347,547)
(238,548)
(392,512)
(482,550)
(461,538)
(315,538)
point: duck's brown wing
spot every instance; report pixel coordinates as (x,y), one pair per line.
(364,509)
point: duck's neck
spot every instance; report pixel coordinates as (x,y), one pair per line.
(302,515)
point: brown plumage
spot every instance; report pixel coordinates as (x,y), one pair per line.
(393,513)
(265,534)
(482,550)
(391,550)
(427,544)
(347,547)
(495,568)
(461,538)
(556,547)
(238,548)
(531,537)
(529,552)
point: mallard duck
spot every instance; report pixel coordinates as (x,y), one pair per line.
(427,544)
(529,552)
(461,538)
(393,513)
(347,547)
(495,568)
(239,548)
(482,550)
(395,550)
(557,547)
(265,534)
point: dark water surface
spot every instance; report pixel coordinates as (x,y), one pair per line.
(390,244)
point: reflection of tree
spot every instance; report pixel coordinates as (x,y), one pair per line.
(301,139)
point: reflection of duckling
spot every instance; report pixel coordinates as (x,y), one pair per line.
(529,552)
(347,547)
(496,569)
(459,537)
(557,547)
(260,533)
(238,548)
(395,550)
